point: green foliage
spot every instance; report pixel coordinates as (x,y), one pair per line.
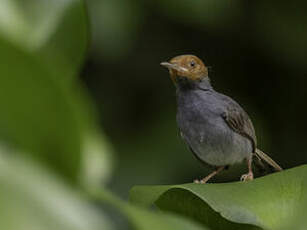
(144,219)
(47,118)
(44,110)
(37,113)
(270,202)
(39,200)
(32,198)
(53,31)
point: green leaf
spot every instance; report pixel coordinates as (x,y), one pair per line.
(269,202)
(96,162)
(54,31)
(32,198)
(42,46)
(142,219)
(96,151)
(145,220)
(37,114)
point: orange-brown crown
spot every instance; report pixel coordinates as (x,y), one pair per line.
(188,66)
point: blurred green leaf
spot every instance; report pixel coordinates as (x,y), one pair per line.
(97,160)
(32,198)
(96,151)
(142,219)
(269,202)
(39,200)
(55,31)
(38,114)
(42,46)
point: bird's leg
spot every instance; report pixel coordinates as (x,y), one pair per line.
(204,180)
(250,175)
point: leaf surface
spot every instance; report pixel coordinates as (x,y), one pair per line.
(270,202)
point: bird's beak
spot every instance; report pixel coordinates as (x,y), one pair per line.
(173,66)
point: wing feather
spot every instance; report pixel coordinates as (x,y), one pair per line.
(239,121)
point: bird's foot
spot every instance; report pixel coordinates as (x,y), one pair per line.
(200,181)
(247,177)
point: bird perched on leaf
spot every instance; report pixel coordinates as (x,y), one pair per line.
(215,127)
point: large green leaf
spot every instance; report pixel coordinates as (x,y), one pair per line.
(37,114)
(270,202)
(33,198)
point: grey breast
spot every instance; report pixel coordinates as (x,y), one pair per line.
(199,117)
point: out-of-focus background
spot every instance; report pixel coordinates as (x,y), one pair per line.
(257,53)
(85,103)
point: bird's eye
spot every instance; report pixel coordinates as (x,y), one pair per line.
(192,63)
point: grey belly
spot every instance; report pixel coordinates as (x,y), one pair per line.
(214,142)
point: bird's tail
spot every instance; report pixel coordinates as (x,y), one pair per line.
(267,159)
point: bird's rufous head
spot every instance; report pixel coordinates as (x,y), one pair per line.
(186,66)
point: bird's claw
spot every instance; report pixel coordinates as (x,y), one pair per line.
(200,181)
(247,177)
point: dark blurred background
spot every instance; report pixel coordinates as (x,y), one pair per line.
(257,54)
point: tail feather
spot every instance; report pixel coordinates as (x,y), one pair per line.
(267,159)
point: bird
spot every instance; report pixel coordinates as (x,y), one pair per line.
(215,127)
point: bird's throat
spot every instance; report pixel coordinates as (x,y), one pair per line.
(205,84)
(185,84)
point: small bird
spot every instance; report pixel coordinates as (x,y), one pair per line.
(215,127)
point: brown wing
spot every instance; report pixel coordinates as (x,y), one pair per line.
(238,120)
